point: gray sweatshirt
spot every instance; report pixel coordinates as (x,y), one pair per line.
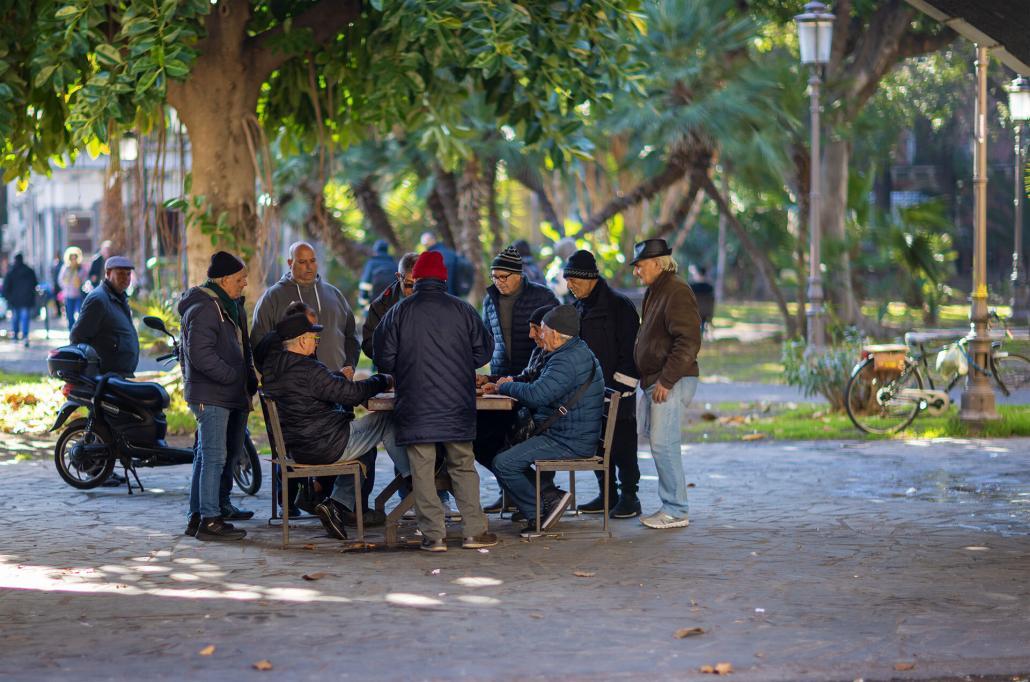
(338,343)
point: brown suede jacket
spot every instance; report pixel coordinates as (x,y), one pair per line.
(670,333)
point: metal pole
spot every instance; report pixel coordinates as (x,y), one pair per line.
(816,312)
(720,262)
(1020,290)
(978,396)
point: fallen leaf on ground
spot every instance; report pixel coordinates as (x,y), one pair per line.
(818,415)
(717,669)
(584,574)
(735,419)
(308,547)
(692,485)
(688,632)
(904,666)
(314,576)
(435,571)
(708,416)
(483,551)
(207,651)
(263,665)
(753,436)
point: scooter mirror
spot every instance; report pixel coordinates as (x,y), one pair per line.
(155,323)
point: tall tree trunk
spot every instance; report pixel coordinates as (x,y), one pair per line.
(759,257)
(530,179)
(470,201)
(446,188)
(720,258)
(112,206)
(441,223)
(371,205)
(492,210)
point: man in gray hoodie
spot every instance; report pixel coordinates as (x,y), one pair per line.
(338,344)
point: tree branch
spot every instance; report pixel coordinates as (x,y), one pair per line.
(324,20)
(371,205)
(528,178)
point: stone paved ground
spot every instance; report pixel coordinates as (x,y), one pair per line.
(821,561)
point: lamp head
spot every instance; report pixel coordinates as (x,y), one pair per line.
(815,34)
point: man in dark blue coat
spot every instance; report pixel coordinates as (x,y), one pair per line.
(19,290)
(571,378)
(105,320)
(433,343)
(509,302)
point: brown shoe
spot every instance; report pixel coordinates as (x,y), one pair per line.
(487,539)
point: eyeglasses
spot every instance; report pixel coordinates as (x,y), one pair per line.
(408,283)
(500,278)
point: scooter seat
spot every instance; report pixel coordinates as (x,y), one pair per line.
(146,394)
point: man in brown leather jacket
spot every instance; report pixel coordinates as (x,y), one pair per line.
(666,356)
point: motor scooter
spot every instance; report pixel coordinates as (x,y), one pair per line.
(124,422)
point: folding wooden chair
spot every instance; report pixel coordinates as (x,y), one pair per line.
(601,462)
(288,469)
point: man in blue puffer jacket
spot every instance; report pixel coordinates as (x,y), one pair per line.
(570,366)
(433,343)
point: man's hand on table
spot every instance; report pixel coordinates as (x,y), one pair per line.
(482,380)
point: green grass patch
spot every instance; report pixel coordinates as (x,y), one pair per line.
(732,360)
(725,422)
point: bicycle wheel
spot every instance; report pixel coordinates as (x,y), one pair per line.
(1012,372)
(880,404)
(246,469)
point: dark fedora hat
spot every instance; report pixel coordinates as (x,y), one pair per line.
(292,326)
(650,248)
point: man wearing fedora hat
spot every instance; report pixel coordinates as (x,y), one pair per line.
(666,356)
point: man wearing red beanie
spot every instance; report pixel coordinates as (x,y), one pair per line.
(432,343)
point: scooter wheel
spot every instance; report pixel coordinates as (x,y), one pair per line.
(85,472)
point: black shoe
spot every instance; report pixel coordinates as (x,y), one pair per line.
(594,506)
(192,525)
(329,513)
(113,481)
(530,531)
(433,545)
(495,506)
(627,508)
(370,517)
(234,513)
(217,529)
(553,511)
(518,517)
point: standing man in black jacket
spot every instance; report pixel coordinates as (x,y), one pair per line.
(433,342)
(219,378)
(105,320)
(19,290)
(609,325)
(393,294)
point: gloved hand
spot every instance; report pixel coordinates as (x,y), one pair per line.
(252,382)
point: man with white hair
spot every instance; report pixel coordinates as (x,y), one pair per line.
(338,346)
(666,357)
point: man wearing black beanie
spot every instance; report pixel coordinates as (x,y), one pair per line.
(219,379)
(609,325)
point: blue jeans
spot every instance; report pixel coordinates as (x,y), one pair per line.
(366,433)
(20,321)
(71,310)
(514,469)
(663,425)
(220,431)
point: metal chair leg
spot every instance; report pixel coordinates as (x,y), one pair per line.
(537,498)
(572,490)
(284,492)
(607,482)
(359,510)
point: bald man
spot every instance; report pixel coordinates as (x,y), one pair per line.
(338,344)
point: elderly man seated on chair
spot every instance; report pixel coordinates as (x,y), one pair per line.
(567,400)
(316,426)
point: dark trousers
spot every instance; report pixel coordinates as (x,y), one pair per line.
(491,429)
(326,482)
(623,460)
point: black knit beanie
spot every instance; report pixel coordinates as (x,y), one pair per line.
(563,319)
(223,264)
(510,260)
(539,313)
(581,265)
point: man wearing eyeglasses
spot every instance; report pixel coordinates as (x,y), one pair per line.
(393,294)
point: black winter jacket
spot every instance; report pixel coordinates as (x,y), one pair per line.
(19,288)
(314,403)
(216,363)
(432,343)
(511,361)
(609,324)
(374,315)
(105,323)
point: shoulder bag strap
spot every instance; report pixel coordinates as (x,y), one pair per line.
(564,409)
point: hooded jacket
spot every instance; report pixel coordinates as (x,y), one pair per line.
(105,323)
(314,403)
(432,343)
(511,361)
(216,356)
(338,345)
(566,369)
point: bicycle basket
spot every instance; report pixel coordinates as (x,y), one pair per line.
(952,362)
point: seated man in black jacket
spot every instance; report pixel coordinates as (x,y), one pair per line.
(317,427)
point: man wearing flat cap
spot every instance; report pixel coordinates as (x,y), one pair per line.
(608,324)
(315,410)
(105,320)
(219,379)
(666,356)
(567,401)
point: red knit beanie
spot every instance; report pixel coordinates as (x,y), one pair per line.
(429,264)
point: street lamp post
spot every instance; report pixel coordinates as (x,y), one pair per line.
(815,36)
(978,403)
(1019,110)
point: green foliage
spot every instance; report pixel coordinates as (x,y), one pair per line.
(199,214)
(825,373)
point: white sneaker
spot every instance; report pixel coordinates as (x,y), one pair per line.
(662,520)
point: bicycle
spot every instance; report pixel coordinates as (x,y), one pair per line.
(885,391)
